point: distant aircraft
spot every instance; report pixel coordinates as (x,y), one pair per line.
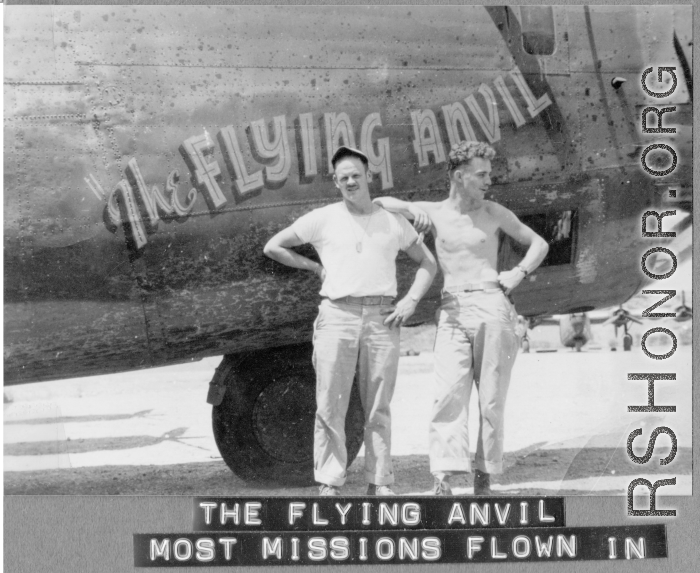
(575,328)
(683,311)
(150,153)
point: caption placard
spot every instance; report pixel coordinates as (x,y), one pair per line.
(325,531)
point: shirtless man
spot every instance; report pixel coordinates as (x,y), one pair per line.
(476,341)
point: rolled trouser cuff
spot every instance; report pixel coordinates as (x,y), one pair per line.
(456,465)
(488,467)
(379,480)
(336,481)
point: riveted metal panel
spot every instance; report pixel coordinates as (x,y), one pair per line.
(616,32)
(285,36)
(56,157)
(28,39)
(138,82)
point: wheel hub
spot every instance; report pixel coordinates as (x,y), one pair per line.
(283,419)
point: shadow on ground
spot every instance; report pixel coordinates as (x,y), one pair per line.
(412,475)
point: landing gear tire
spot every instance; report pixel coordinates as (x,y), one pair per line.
(627,342)
(264,427)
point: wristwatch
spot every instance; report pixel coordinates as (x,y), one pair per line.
(522,268)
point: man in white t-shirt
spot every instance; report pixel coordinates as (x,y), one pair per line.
(357,326)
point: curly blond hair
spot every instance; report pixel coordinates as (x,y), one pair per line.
(463,151)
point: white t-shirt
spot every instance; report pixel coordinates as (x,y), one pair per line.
(335,233)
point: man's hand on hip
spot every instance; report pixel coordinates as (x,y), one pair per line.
(320,272)
(511,279)
(398,315)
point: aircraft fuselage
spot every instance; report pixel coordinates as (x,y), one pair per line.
(145,170)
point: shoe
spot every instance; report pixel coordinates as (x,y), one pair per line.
(441,487)
(482,483)
(373,489)
(328,490)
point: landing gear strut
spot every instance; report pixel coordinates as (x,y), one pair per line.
(264,426)
(525,344)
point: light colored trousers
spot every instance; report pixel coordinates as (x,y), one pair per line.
(475,342)
(351,338)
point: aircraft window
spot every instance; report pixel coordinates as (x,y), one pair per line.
(559,229)
(537,30)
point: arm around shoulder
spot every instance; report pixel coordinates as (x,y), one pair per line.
(416,212)
(394,205)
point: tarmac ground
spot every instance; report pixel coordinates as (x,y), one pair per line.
(149,432)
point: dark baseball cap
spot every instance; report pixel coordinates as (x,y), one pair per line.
(344,151)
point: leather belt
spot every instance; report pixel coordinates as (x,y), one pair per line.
(468,287)
(365,300)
